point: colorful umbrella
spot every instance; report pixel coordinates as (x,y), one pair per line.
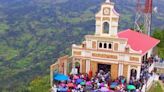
(82,83)
(70,85)
(75,77)
(131,87)
(79,81)
(113,84)
(102,84)
(104,89)
(88,83)
(60,77)
(63,89)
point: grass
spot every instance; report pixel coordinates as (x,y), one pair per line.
(156,87)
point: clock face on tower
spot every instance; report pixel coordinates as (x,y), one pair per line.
(106,11)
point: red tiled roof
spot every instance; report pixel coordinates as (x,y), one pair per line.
(138,41)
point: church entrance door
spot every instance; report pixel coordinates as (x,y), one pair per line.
(105,67)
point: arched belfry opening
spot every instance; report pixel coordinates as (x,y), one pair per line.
(107,20)
(106,27)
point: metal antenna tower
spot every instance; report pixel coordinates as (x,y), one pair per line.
(148,17)
(139,14)
(143,17)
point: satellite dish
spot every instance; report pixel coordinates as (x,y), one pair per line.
(107,1)
(155,9)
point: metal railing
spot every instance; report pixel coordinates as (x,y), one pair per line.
(148,84)
(159,64)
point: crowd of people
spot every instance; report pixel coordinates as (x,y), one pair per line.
(158,59)
(102,81)
(145,74)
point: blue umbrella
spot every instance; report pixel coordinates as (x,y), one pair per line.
(63,89)
(78,81)
(60,77)
(113,84)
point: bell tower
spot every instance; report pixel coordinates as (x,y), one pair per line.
(107,20)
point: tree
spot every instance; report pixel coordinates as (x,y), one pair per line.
(159,34)
(40,84)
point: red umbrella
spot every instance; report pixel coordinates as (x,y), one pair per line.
(75,77)
(70,85)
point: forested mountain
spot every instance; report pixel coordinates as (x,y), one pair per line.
(33,33)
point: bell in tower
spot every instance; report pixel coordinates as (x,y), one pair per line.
(107,20)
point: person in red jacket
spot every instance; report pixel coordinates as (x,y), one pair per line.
(90,74)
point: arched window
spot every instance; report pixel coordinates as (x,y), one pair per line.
(100,45)
(105,45)
(109,45)
(106,27)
